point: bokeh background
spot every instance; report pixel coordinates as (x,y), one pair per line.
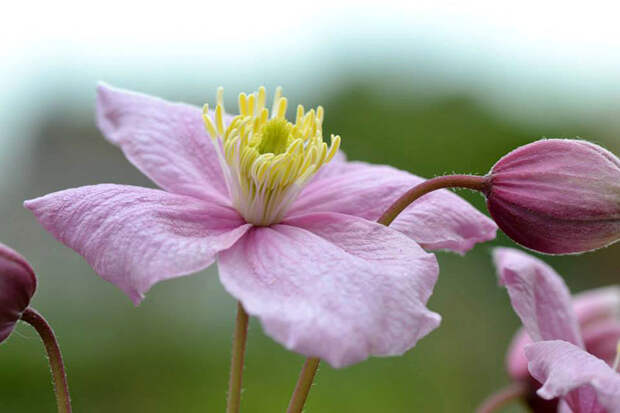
(431,88)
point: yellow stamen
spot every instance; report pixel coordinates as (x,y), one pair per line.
(282,102)
(268,160)
(219,118)
(208,122)
(220,96)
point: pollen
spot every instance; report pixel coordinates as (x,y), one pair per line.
(267,160)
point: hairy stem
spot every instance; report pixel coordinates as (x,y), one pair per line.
(501,398)
(236,361)
(478,183)
(61,388)
(304,383)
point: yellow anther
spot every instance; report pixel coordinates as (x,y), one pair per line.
(261,99)
(208,122)
(333,149)
(264,115)
(281,108)
(276,98)
(320,112)
(243,104)
(251,103)
(220,96)
(300,114)
(219,119)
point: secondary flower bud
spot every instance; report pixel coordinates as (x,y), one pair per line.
(17,286)
(557,196)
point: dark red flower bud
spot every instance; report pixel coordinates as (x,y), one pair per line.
(557,196)
(17,286)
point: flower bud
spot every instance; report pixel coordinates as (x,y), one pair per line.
(557,196)
(17,286)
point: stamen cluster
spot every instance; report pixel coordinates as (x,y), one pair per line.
(267,160)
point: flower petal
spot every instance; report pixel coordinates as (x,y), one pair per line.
(439,220)
(166,141)
(516,363)
(538,295)
(134,237)
(595,306)
(334,286)
(563,368)
(598,315)
(602,339)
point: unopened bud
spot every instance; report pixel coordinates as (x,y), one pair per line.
(557,196)
(17,286)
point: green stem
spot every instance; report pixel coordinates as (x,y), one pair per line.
(500,399)
(61,388)
(236,362)
(303,385)
(478,183)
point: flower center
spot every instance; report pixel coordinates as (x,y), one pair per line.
(267,160)
(274,137)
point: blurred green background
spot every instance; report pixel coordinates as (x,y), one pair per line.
(418,102)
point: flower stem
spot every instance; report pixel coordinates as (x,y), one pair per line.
(236,361)
(61,388)
(501,398)
(304,383)
(478,183)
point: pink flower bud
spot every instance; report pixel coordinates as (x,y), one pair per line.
(17,286)
(557,196)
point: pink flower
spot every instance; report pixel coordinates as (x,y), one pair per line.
(574,340)
(557,196)
(17,286)
(290,222)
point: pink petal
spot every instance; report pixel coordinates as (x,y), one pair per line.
(602,339)
(538,295)
(516,363)
(166,141)
(439,220)
(598,314)
(563,368)
(134,237)
(594,306)
(334,286)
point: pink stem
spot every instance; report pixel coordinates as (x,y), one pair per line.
(478,183)
(501,398)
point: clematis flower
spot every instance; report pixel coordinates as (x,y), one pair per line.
(568,345)
(17,286)
(557,196)
(290,221)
